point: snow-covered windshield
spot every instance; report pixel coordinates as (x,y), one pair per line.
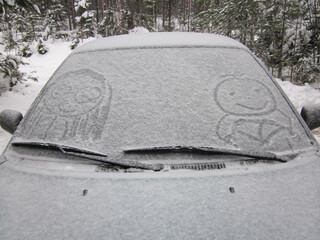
(112,100)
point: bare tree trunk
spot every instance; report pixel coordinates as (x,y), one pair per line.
(316,18)
(184,13)
(163,13)
(131,22)
(169,15)
(102,3)
(155,10)
(189,13)
(97,10)
(280,66)
(71,14)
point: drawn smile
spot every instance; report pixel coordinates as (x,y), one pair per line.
(253,108)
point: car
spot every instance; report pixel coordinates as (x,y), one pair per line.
(160,136)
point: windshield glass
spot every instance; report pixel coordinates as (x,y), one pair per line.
(113,100)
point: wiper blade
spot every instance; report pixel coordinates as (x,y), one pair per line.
(211,150)
(94,156)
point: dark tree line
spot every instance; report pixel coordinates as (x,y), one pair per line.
(285,34)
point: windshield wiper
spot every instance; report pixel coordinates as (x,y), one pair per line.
(211,150)
(94,156)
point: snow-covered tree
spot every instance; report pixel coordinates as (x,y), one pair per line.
(11,25)
(54,19)
(84,18)
(109,25)
(284,33)
(140,13)
(9,71)
(41,48)
(75,41)
(25,4)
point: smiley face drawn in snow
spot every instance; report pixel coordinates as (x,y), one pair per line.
(75,93)
(251,119)
(244,97)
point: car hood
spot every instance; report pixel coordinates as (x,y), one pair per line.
(278,201)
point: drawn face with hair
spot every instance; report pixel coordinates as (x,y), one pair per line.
(75,106)
(244,97)
(74,95)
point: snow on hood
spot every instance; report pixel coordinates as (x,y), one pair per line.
(279,203)
(163,39)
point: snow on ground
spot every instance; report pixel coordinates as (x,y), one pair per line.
(43,66)
(300,95)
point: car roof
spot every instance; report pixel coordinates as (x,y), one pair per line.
(160,40)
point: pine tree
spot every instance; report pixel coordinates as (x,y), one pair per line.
(108,26)
(139,13)
(10,74)
(145,15)
(54,20)
(41,48)
(84,18)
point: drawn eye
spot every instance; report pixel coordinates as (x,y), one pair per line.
(231,93)
(88,95)
(61,91)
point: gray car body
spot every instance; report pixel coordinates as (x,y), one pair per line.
(40,199)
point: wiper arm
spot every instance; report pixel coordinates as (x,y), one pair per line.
(94,156)
(211,150)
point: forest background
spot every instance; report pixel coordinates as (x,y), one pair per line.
(284,34)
